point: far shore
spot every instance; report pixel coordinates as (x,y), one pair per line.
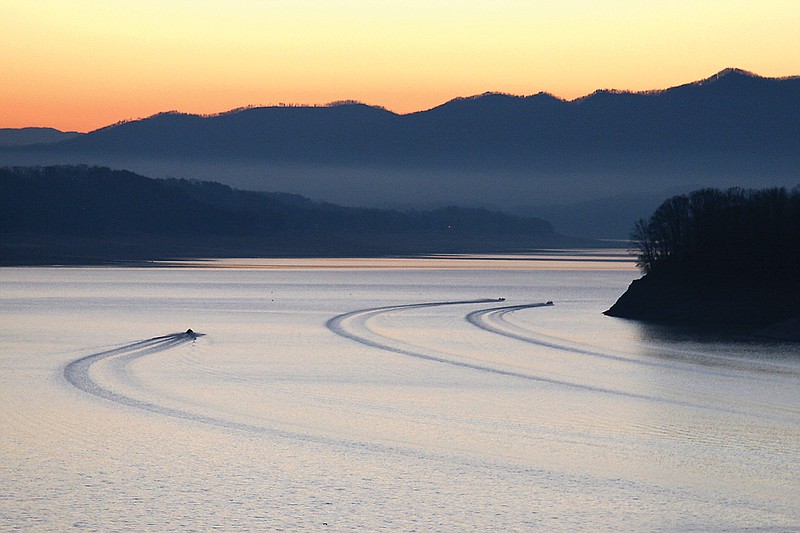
(544,259)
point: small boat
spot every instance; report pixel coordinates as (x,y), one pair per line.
(191,334)
(549,302)
(501,299)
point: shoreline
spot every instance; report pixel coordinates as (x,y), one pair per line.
(767,312)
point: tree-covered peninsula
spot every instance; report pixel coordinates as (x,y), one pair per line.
(717,257)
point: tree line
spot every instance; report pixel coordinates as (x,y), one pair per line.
(714,236)
(107,213)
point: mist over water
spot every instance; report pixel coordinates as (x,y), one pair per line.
(370,394)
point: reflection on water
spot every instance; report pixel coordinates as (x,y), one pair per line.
(382,394)
(717,345)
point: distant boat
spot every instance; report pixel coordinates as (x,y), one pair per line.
(501,299)
(549,302)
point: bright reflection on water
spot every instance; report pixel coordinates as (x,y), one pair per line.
(321,397)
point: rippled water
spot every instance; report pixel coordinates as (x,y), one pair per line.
(382,394)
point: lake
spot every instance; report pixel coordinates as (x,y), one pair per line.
(370,394)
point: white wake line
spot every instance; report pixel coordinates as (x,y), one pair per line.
(77,374)
(340,326)
(483,319)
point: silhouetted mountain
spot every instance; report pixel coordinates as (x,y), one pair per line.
(732,129)
(28,136)
(730,111)
(337,133)
(80,214)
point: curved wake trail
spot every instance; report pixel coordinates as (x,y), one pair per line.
(347,325)
(493,320)
(487,319)
(342,326)
(77,374)
(335,324)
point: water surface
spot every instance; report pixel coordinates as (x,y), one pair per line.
(382,394)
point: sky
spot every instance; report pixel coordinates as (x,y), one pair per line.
(84,64)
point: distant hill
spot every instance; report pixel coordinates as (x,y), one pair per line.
(731,129)
(29,136)
(79,214)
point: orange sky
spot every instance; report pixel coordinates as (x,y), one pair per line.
(84,64)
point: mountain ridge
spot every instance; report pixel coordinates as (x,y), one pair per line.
(33,135)
(731,129)
(728,72)
(528,118)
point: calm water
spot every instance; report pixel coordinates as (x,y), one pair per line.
(381,394)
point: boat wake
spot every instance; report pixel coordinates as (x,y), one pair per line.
(77,373)
(355,326)
(494,321)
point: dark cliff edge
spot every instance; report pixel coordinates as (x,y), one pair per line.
(768,311)
(720,259)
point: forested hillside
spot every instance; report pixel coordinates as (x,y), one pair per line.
(718,256)
(80,213)
(714,235)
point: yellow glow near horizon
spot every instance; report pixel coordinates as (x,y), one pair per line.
(88,63)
